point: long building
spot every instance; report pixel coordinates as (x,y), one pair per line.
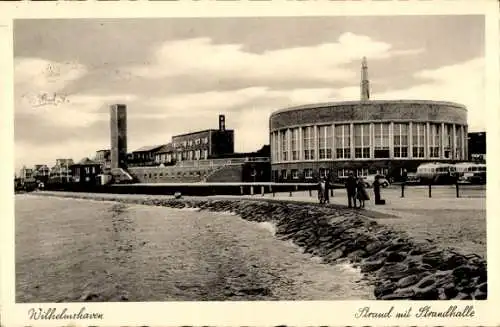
(205,144)
(366,137)
(203,156)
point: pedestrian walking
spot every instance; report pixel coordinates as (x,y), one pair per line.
(404,178)
(351,190)
(327,190)
(361,193)
(323,195)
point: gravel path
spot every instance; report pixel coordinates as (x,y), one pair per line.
(463,230)
(71,250)
(459,223)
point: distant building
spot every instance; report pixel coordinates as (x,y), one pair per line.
(18,184)
(60,172)
(64,162)
(25,180)
(201,156)
(41,173)
(86,171)
(206,144)
(25,174)
(102,156)
(144,156)
(477,146)
(165,155)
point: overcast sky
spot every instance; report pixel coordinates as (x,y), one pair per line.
(177,75)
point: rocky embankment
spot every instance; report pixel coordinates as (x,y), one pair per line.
(398,266)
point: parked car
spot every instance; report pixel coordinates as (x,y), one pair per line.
(370,179)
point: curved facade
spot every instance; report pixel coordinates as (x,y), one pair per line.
(365,136)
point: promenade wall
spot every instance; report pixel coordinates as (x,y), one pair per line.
(191,189)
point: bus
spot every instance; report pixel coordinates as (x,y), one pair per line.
(436,173)
(470,172)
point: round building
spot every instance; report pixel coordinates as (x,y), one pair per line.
(366,137)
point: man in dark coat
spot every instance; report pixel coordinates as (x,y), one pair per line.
(404,176)
(327,190)
(376,190)
(351,185)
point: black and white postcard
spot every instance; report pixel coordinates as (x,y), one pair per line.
(206,164)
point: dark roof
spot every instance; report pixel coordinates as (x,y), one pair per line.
(166,148)
(192,133)
(85,162)
(200,132)
(148,148)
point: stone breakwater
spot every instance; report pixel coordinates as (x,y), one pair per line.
(398,266)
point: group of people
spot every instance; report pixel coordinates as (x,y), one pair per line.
(356,191)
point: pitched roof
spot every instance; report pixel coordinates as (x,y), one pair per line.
(148,148)
(87,161)
(166,148)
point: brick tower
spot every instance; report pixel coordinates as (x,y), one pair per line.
(118,124)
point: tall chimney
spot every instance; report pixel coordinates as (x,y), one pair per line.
(118,125)
(365,83)
(222,123)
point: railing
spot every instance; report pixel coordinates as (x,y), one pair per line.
(257,159)
(458,189)
(212,172)
(205,163)
(121,171)
(219,162)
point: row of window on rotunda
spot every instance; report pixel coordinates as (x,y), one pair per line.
(365,141)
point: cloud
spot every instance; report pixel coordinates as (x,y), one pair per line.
(462,83)
(213,101)
(323,62)
(208,104)
(204,102)
(38,86)
(74,149)
(247,111)
(35,75)
(250,108)
(77,111)
(50,123)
